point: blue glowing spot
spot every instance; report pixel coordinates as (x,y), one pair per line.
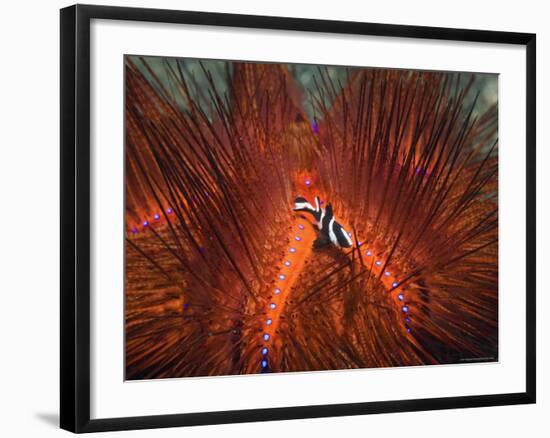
(264,363)
(266,337)
(292,250)
(146,223)
(169,211)
(269,321)
(287,263)
(185,306)
(387,274)
(308,182)
(400,297)
(395,284)
(315,127)
(277,291)
(264,351)
(407,319)
(301,227)
(281,277)
(297,238)
(368,253)
(349,234)
(272,306)
(157,217)
(134,230)
(408,329)
(405,309)
(378,263)
(359,243)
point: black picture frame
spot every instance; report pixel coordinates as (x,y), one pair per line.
(75,217)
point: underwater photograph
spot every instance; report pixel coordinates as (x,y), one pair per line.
(299,218)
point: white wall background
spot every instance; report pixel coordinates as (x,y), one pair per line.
(29,216)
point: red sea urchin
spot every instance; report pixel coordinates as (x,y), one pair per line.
(222,276)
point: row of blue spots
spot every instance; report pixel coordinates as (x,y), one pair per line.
(146,223)
(400,296)
(264,363)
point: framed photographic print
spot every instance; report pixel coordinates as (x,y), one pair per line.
(272,218)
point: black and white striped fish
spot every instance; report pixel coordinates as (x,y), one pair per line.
(332,230)
(301,204)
